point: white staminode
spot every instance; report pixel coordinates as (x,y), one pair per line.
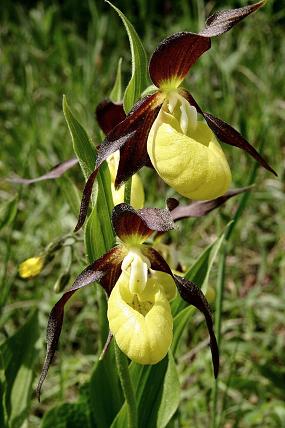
(188,117)
(136,264)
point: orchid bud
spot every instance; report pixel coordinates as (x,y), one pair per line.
(185,152)
(31,267)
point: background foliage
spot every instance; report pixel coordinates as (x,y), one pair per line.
(47,50)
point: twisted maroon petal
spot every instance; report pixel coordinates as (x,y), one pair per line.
(201,208)
(223,21)
(95,272)
(192,295)
(55,172)
(227,134)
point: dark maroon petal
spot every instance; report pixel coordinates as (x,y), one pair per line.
(194,296)
(227,134)
(156,260)
(114,141)
(223,21)
(55,172)
(133,155)
(109,114)
(201,208)
(175,55)
(129,223)
(94,272)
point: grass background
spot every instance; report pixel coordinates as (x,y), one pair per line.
(48,50)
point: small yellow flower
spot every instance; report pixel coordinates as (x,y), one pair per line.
(31,267)
(186,153)
(137,191)
(139,312)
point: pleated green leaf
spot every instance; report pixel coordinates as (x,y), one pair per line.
(139,78)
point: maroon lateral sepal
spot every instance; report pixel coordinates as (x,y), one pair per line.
(194,296)
(128,222)
(175,55)
(202,208)
(55,172)
(223,21)
(228,135)
(95,272)
(109,115)
(122,133)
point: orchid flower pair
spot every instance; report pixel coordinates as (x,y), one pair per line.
(163,131)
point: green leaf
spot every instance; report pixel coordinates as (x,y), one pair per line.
(99,235)
(8,211)
(18,356)
(170,394)
(139,79)
(116,93)
(82,145)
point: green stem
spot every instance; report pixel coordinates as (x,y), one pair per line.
(128,188)
(126,383)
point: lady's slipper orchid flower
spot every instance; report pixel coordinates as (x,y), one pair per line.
(163,128)
(139,284)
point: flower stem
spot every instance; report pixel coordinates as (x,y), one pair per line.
(128,188)
(126,383)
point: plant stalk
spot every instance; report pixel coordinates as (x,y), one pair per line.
(126,383)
